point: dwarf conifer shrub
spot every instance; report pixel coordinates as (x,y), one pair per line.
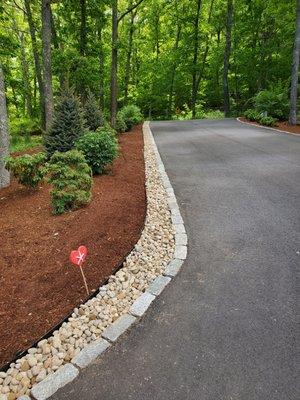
(92,114)
(71,178)
(100,148)
(27,169)
(67,126)
(121,126)
(132,115)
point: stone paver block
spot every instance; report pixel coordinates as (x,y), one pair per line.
(90,352)
(118,327)
(180,252)
(179,228)
(24,397)
(176,219)
(181,239)
(45,389)
(173,267)
(141,304)
(158,285)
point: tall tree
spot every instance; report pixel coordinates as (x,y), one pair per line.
(82,44)
(295,70)
(47,67)
(195,59)
(229,21)
(128,56)
(4,136)
(37,63)
(114,57)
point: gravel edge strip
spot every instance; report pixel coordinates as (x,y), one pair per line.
(266,127)
(67,372)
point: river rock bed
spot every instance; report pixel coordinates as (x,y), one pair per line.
(147,260)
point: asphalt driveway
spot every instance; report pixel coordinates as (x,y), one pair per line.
(225,328)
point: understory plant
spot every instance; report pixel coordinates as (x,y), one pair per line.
(100,148)
(67,126)
(254,115)
(70,176)
(92,114)
(121,126)
(131,115)
(274,102)
(27,169)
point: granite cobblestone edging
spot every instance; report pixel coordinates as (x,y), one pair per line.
(95,325)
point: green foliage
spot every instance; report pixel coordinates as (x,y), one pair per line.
(67,126)
(254,115)
(100,148)
(22,143)
(121,126)
(27,169)
(24,126)
(274,102)
(131,115)
(71,178)
(266,120)
(92,114)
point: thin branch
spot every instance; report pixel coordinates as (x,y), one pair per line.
(129,10)
(19,7)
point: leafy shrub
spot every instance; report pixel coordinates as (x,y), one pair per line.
(120,123)
(214,114)
(24,127)
(268,121)
(274,102)
(67,126)
(132,115)
(252,115)
(27,169)
(92,114)
(71,178)
(100,148)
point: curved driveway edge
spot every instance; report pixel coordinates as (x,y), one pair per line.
(68,372)
(266,127)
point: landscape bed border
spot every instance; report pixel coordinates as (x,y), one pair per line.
(266,127)
(69,371)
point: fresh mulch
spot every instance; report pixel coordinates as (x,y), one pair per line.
(38,286)
(282,126)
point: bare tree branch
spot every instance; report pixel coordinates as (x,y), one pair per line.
(129,10)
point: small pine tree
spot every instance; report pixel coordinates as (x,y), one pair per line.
(92,115)
(67,126)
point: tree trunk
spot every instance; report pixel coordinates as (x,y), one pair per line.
(37,64)
(227,52)
(4,136)
(295,71)
(128,57)
(82,44)
(114,65)
(46,39)
(175,48)
(101,68)
(195,59)
(26,80)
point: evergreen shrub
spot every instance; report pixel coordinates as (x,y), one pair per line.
(71,178)
(92,114)
(132,115)
(100,148)
(67,126)
(27,169)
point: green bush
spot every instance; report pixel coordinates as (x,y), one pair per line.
(121,126)
(27,169)
(252,115)
(100,148)
(268,121)
(274,102)
(132,115)
(71,178)
(92,114)
(67,126)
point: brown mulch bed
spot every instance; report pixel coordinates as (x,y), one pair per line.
(38,286)
(282,126)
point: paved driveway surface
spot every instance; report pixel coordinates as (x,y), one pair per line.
(225,328)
